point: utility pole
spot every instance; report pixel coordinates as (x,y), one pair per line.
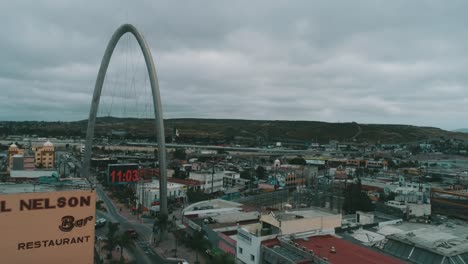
(212,176)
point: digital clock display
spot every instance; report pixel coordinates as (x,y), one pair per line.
(123,173)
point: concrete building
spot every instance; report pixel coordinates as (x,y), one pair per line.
(12,151)
(45,155)
(231,179)
(148,194)
(249,240)
(211,182)
(303,221)
(411,209)
(251,237)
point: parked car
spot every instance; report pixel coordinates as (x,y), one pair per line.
(176,261)
(131,233)
(100,222)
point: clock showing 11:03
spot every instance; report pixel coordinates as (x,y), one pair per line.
(123,173)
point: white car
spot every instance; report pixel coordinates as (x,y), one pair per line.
(177,260)
(101,222)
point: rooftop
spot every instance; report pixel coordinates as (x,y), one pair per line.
(68,184)
(447,239)
(345,251)
(306,213)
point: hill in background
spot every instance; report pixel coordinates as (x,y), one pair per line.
(228,130)
(462,130)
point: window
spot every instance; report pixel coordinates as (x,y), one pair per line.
(252,257)
(240,250)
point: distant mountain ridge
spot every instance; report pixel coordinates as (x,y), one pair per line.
(217,131)
(462,130)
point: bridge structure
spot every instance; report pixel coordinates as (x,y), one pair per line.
(159,122)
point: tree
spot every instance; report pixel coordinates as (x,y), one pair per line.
(180,154)
(195,196)
(297,161)
(161,222)
(156,154)
(261,172)
(124,241)
(199,243)
(356,199)
(224,258)
(246,174)
(111,238)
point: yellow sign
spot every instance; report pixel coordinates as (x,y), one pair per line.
(48,227)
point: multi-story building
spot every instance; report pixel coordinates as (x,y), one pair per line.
(148,194)
(45,155)
(12,151)
(211,182)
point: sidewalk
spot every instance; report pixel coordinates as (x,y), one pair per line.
(164,248)
(167,247)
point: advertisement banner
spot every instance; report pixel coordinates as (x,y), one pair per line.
(48,227)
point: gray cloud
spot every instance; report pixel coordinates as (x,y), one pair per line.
(364,61)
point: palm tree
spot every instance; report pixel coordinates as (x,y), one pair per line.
(199,243)
(224,258)
(124,241)
(111,238)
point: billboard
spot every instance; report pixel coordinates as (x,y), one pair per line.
(48,227)
(123,173)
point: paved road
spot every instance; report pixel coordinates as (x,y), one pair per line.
(144,252)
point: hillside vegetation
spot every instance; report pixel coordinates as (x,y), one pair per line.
(228,130)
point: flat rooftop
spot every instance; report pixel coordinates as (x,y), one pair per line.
(306,213)
(69,184)
(345,251)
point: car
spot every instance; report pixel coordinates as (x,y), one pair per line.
(210,253)
(131,233)
(177,261)
(100,222)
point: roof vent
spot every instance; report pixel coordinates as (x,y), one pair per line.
(304,248)
(332,250)
(311,252)
(296,244)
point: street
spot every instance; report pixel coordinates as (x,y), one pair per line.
(144,251)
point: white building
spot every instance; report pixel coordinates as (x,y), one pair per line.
(231,179)
(249,244)
(206,179)
(148,193)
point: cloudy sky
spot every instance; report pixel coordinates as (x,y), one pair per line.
(369,61)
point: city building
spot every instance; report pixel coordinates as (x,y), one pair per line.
(148,195)
(421,244)
(12,151)
(44,157)
(212,182)
(290,222)
(231,179)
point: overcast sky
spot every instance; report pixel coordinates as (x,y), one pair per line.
(372,61)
